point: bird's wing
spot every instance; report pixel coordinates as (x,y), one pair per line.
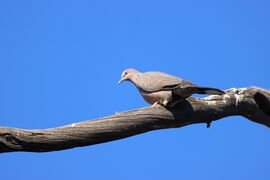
(157,81)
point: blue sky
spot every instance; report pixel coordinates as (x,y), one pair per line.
(60,62)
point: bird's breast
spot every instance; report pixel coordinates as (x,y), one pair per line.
(152,97)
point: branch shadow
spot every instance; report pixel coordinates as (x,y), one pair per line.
(185,109)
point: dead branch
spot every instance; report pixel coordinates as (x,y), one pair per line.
(252,103)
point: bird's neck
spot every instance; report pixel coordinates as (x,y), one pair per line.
(135,79)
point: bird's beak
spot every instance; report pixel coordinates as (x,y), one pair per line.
(120,81)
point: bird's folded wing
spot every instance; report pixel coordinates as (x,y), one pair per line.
(157,81)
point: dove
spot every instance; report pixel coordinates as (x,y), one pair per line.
(164,89)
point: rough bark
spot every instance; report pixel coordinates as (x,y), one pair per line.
(252,103)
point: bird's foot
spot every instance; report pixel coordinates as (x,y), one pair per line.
(156,104)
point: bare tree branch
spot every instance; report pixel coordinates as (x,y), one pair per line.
(252,103)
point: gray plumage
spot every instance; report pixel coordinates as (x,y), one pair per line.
(157,81)
(162,88)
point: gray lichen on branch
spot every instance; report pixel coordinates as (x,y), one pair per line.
(252,103)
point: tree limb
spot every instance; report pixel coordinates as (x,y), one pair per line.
(252,103)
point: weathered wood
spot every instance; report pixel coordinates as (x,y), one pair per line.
(252,103)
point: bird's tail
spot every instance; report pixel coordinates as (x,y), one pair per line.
(207,90)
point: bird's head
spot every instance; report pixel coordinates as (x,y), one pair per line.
(128,75)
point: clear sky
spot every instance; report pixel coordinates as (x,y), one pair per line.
(60,61)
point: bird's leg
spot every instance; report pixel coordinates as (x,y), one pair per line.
(165,103)
(156,103)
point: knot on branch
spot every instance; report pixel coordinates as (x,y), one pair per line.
(9,141)
(263,102)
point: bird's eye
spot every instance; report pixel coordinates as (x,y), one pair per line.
(124,74)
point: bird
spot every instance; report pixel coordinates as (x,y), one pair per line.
(164,89)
